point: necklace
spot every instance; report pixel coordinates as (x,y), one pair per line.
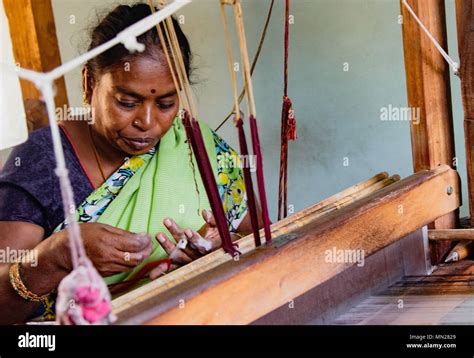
(96,153)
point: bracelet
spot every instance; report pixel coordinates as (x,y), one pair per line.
(20,288)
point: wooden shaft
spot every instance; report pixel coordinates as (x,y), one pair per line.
(429,92)
(428,86)
(451,234)
(35,44)
(239,20)
(233,78)
(180,64)
(167,56)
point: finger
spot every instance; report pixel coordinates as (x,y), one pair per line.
(202,245)
(137,243)
(182,254)
(209,217)
(174,253)
(133,259)
(174,229)
(149,248)
(160,270)
(114,268)
(165,242)
(118,231)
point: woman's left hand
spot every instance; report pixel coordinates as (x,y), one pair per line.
(200,243)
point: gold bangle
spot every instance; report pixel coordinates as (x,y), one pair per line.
(20,288)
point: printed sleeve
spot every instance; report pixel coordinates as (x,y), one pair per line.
(26,185)
(231,183)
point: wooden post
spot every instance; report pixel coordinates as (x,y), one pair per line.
(35,45)
(428,89)
(465,29)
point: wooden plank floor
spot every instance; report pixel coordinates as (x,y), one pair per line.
(444,297)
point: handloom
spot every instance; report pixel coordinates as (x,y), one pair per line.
(384,216)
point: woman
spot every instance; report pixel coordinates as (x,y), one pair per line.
(129,167)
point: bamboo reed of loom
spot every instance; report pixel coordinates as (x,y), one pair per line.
(305,217)
(247,243)
(333,199)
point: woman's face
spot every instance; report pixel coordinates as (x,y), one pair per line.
(135,105)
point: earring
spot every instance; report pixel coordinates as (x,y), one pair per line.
(84,86)
(85,75)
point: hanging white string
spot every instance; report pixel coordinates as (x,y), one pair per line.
(454,65)
(44,81)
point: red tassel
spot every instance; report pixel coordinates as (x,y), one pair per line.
(288,126)
(289,118)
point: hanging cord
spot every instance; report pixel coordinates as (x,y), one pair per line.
(194,135)
(288,125)
(83,297)
(454,65)
(254,62)
(241,133)
(252,116)
(167,47)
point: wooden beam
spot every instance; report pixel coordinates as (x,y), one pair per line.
(428,89)
(35,45)
(239,292)
(247,244)
(465,29)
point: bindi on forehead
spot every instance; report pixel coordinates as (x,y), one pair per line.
(153,91)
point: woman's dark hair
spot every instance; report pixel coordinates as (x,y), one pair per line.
(119,19)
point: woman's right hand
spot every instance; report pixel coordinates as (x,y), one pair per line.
(111,250)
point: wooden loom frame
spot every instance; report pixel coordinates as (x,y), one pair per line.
(269,276)
(432,146)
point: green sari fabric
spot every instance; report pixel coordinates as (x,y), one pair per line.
(165,186)
(150,187)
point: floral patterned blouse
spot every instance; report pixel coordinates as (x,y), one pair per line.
(29,189)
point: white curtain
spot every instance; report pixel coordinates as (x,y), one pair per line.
(13,129)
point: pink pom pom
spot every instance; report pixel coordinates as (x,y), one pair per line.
(86,295)
(96,313)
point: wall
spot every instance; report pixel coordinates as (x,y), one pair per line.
(341,137)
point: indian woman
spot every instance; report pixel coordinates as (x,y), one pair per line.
(136,184)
